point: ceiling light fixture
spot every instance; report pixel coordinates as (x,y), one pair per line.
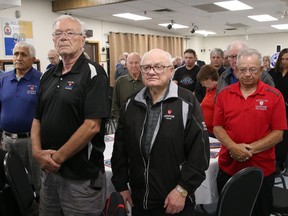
(174,26)
(233,5)
(204,32)
(280,26)
(131,16)
(263,18)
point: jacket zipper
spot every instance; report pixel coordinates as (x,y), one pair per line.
(145,199)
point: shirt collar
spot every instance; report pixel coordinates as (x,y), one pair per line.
(74,69)
(130,78)
(235,88)
(27,75)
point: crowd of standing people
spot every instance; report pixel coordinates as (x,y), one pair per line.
(166,108)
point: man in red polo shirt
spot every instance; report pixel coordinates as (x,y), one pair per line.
(249,119)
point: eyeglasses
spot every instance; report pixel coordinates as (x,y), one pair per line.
(231,57)
(252,70)
(68,34)
(157,68)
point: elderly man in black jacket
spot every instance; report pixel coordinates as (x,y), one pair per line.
(161,144)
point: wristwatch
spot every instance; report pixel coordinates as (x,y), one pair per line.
(181,190)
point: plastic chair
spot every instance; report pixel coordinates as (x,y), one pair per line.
(114,205)
(279,178)
(17,178)
(280,197)
(238,196)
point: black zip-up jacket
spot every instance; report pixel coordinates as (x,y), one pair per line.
(179,154)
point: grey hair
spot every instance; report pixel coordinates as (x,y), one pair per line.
(63,17)
(240,44)
(30,47)
(217,51)
(250,52)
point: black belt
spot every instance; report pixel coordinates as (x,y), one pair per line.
(17,135)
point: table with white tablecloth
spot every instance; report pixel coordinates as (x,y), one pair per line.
(206,193)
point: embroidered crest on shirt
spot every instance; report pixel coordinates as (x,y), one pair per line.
(261,104)
(204,126)
(31,89)
(169,114)
(69,85)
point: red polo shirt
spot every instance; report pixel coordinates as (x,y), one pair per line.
(248,120)
(207,106)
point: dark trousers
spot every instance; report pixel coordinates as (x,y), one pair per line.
(264,200)
(187,211)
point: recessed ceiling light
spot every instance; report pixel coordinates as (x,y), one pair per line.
(233,5)
(280,26)
(174,26)
(131,16)
(204,32)
(263,18)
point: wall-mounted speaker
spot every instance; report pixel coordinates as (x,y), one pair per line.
(17,14)
(278,48)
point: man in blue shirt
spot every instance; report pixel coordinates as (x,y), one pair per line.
(18,96)
(53,57)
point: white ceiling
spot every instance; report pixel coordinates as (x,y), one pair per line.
(184,12)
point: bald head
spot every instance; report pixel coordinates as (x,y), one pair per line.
(157,69)
(133,64)
(159,55)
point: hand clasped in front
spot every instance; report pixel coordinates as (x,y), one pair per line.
(240,152)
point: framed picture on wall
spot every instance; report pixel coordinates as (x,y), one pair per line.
(7,65)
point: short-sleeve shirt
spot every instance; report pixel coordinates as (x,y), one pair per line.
(124,87)
(65,101)
(246,121)
(187,78)
(18,100)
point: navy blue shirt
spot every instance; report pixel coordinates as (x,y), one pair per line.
(18,100)
(233,79)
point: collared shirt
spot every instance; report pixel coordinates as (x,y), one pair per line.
(124,87)
(18,100)
(153,119)
(65,101)
(249,120)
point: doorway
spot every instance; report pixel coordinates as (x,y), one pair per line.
(92,49)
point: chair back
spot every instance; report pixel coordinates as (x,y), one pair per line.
(239,194)
(114,205)
(17,178)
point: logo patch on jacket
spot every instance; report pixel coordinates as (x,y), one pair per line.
(169,115)
(261,104)
(31,89)
(69,85)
